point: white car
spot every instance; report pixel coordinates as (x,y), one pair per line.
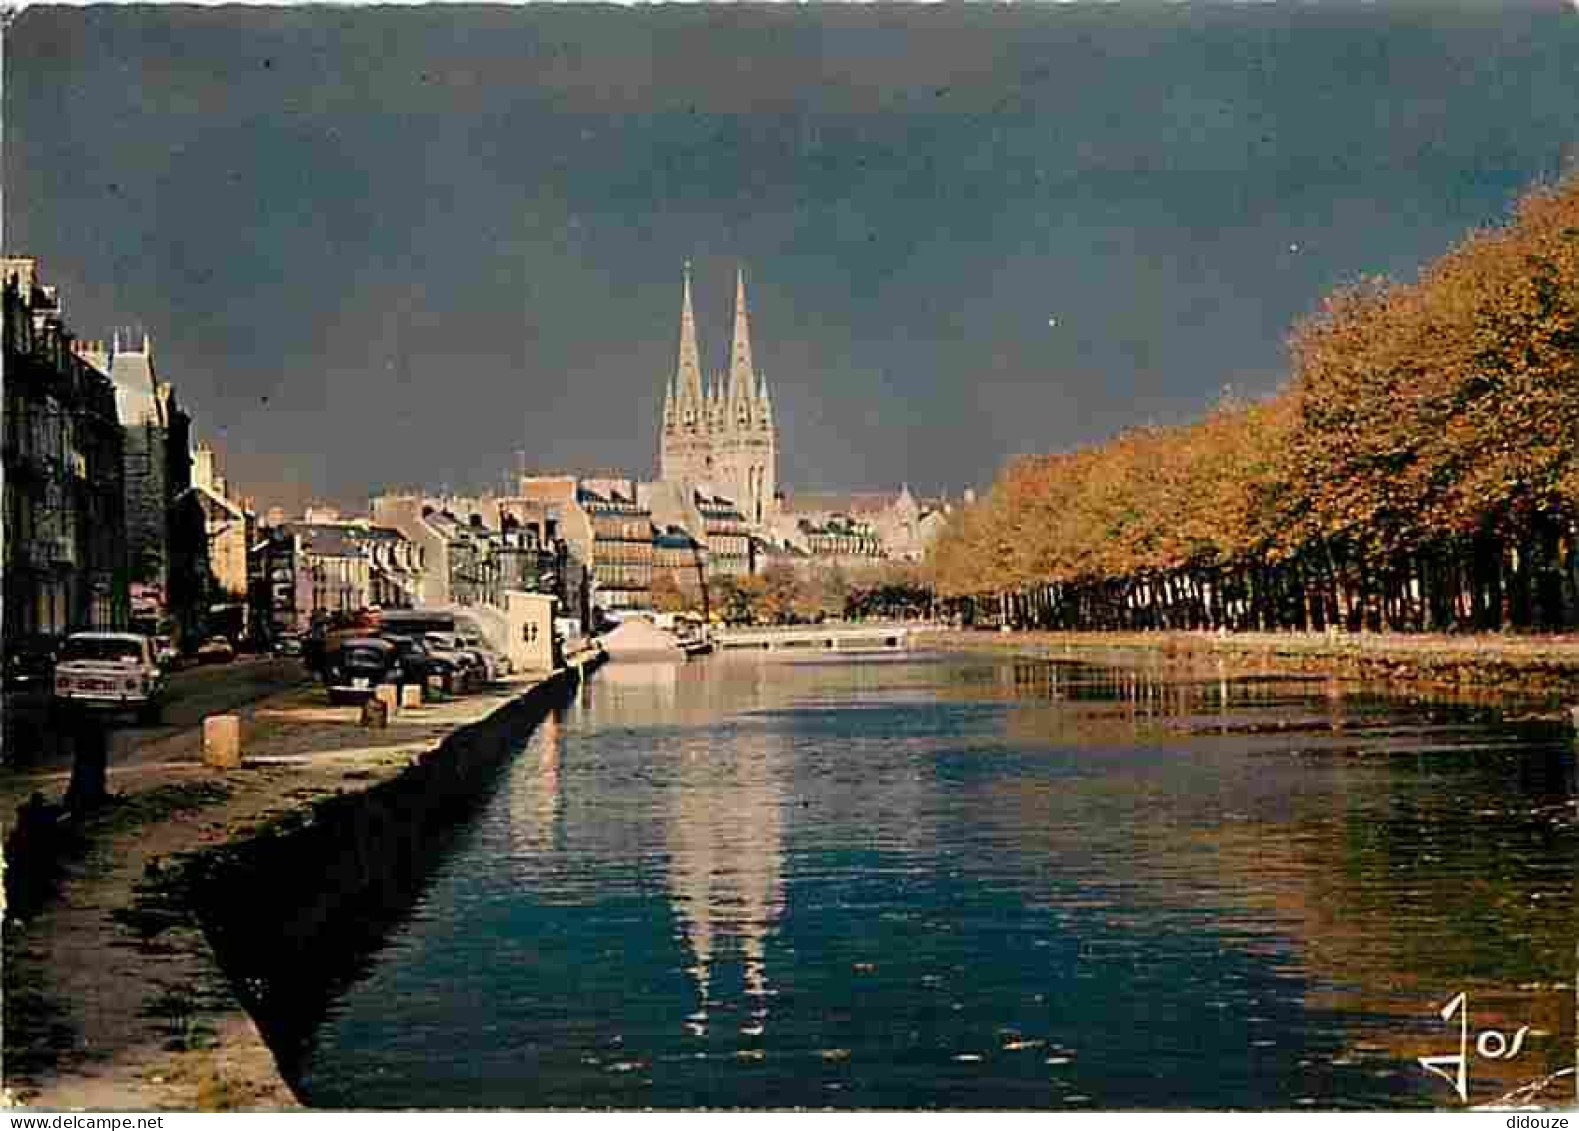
(116,671)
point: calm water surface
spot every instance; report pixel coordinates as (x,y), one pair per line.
(945,881)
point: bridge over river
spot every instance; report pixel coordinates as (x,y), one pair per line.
(838,637)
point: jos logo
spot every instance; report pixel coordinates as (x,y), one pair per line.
(1490,1044)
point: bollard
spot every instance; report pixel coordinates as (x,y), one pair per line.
(410,695)
(89,787)
(222,741)
(375,713)
(389,695)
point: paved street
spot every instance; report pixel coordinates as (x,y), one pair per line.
(201,691)
(194,693)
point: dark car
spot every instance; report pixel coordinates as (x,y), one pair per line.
(216,650)
(448,644)
(355,665)
(322,638)
(30,665)
(420,666)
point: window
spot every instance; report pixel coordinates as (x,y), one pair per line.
(90,648)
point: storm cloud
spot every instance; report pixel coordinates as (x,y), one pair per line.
(396,246)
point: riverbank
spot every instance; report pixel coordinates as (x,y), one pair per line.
(1541,668)
(114,995)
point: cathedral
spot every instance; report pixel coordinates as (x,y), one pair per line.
(720,436)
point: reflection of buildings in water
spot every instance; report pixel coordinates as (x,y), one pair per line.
(669,692)
(724,833)
(533,787)
(637,686)
(581,830)
(690,775)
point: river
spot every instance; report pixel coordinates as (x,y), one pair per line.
(944,881)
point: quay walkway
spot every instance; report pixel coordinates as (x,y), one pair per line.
(113,995)
(837,637)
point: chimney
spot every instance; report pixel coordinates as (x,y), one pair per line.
(203,469)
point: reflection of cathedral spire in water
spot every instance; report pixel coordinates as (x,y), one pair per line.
(725,839)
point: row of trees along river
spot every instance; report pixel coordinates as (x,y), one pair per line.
(1416,471)
(780,594)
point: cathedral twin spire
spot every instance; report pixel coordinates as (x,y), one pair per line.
(739,402)
(720,434)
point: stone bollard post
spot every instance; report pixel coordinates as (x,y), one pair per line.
(410,695)
(375,713)
(222,741)
(389,695)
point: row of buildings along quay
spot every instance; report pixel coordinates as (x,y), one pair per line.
(118,514)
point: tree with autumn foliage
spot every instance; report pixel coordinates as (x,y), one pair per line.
(1416,471)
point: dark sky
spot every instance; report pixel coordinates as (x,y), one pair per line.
(394,246)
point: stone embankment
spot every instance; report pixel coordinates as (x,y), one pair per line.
(1527,666)
(131,972)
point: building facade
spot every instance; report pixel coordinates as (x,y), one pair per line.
(607,532)
(727,533)
(720,437)
(681,562)
(302,572)
(395,566)
(166,524)
(843,540)
(64,535)
(409,514)
(562,531)
(231,528)
(850,525)
(622,543)
(492,544)
(312,571)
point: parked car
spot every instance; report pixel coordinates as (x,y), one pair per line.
(421,666)
(164,651)
(112,671)
(216,650)
(322,638)
(30,665)
(289,645)
(353,666)
(498,663)
(482,666)
(468,668)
